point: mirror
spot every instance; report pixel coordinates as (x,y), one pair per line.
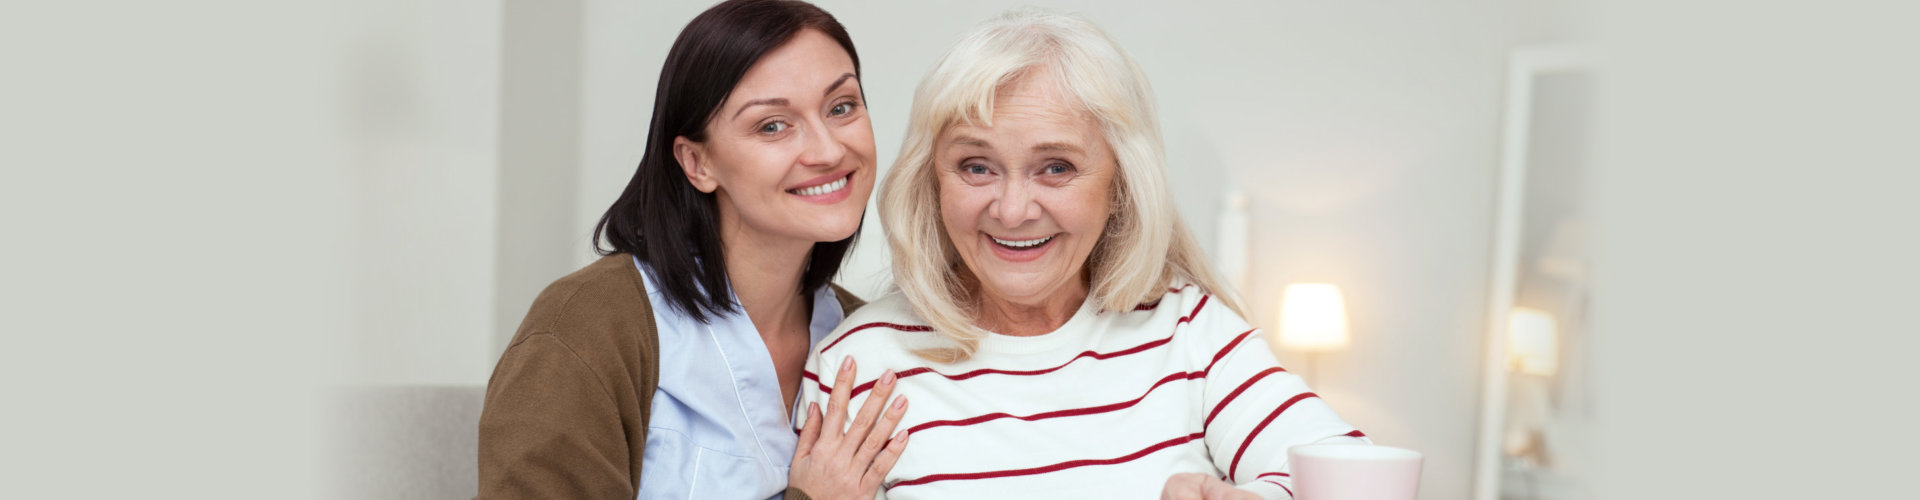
(1535,412)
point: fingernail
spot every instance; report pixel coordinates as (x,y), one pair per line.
(903,437)
(886,377)
(813,407)
(846,363)
(899,403)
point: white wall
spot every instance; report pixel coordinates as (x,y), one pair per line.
(175,246)
(540,128)
(422,86)
(1755,247)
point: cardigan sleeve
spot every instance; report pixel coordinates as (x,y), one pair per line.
(1255,409)
(551,429)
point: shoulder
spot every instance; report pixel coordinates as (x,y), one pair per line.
(888,323)
(1186,311)
(848,301)
(1183,303)
(604,299)
(589,333)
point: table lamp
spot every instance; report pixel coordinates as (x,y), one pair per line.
(1313,318)
(1531,346)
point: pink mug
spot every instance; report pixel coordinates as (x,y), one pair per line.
(1354,472)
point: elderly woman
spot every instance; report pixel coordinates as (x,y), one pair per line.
(1056,324)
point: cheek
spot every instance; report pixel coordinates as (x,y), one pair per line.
(961,205)
(744,168)
(952,212)
(858,138)
(1084,211)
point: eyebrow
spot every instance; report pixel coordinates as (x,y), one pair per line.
(776,101)
(967,140)
(1056,146)
(782,101)
(970,141)
(836,83)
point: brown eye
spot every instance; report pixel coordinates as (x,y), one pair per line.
(774,128)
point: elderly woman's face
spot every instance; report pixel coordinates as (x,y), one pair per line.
(1025,200)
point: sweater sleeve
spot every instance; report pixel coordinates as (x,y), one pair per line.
(1255,409)
(550,429)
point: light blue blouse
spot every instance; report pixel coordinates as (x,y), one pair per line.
(719,428)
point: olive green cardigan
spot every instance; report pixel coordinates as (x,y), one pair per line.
(566,408)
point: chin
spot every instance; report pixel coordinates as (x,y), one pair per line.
(1017,290)
(837,229)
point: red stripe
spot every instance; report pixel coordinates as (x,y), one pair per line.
(915,430)
(1281,474)
(1051,468)
(862,388)
(1229,348)
(1231,467)
(1282,486)
(857,329)
(1080,411)
(1196,310)
(924,328)
(1156,302)
(1236,393)
(1356,433)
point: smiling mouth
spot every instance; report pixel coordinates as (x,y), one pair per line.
(1022,244)
(824,189)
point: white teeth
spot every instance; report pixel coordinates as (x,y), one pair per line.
(1021,244)
(821,189)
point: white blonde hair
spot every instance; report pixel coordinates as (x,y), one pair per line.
(1145,247)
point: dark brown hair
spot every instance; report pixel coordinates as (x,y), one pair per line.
(671,227)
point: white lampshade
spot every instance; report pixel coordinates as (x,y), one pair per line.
(1531,346)
(1313,317)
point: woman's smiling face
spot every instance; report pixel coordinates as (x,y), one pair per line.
(1025,200)
(789,155)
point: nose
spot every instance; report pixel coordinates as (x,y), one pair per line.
(822,149)
(1015,205)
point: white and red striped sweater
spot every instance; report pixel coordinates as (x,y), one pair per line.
(1108,406)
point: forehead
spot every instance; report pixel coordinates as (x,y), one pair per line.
(802,66)
(1032,109)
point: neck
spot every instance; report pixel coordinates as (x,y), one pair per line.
(1028,318)
(765,274)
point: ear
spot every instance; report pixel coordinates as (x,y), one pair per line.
(693,162)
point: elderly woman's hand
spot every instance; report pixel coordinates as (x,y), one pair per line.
(1196,486)
(829,464)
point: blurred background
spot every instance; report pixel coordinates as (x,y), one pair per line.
(273,249)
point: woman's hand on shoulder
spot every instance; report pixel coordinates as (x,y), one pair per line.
(830,464)
(1197,486)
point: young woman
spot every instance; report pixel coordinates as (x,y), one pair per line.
(670,368)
